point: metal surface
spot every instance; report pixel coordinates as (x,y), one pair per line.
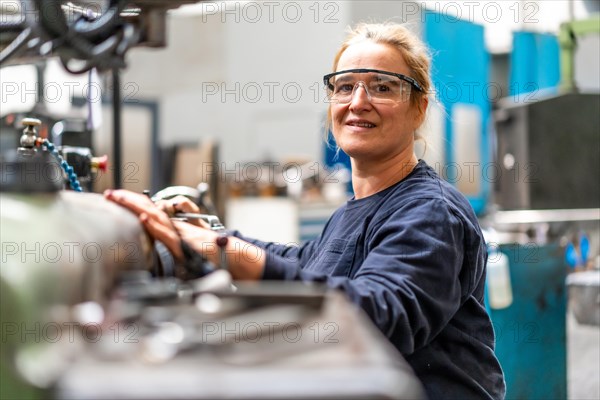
(61,255)
(37,172)
(535,227)
(80,241)
(265,341)
(212,220)
(548,152)
(541,216)
(584,296)
(116,129)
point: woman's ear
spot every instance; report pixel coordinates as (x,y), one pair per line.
(421,110)
(424,105)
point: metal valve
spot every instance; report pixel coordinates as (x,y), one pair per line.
(28,138)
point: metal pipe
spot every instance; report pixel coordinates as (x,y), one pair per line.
(116,128)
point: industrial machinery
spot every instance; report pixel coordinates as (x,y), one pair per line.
(537,173)
(83,34)
(91,308)
(547,225)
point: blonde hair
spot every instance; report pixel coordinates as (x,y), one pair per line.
(413,50)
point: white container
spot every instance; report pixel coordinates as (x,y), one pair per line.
(498,280)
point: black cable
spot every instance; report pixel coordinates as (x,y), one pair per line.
(100,42)
(97,49)
(97,29)
(100,56)
(16,45)
(51,17)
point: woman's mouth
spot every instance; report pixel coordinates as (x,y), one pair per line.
(361,124)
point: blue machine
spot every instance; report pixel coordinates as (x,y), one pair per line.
(531,332)
(534,64)
(461,71)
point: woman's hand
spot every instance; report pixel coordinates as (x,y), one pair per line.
(245,261)
(177,204)
(182,204)
(200,239)
(152,217)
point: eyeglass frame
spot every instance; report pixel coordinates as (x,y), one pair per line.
(405,78)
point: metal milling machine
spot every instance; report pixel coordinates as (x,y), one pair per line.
(91,308)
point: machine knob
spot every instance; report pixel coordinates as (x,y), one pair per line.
(100,163)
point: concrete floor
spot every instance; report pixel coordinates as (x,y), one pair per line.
(583,358)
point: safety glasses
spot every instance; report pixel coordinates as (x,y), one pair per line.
(381,86)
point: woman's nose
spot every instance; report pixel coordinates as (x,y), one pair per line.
(360,96)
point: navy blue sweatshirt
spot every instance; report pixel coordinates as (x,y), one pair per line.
(413,257)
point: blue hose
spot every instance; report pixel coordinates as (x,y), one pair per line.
(73,182)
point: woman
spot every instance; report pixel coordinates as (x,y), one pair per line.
(407,248)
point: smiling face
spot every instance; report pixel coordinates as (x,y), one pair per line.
(374,132)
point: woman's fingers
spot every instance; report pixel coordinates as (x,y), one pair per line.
(138,203)
(164,232)
(155,221)
(158,224)
(167,206)
(185,205)
(181,204)
(178,204)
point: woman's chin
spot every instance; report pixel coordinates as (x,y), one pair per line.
(360,152)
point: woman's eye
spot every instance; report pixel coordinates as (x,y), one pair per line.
(382,88)
(344,88)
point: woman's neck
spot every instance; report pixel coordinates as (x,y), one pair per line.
(369,178)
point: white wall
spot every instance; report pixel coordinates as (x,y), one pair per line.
(252,83)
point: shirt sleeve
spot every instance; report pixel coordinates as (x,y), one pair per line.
(412,281)
(291,255)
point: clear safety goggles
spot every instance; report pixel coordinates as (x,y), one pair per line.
(380,86)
